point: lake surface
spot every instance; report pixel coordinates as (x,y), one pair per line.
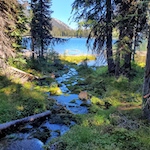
(73,46)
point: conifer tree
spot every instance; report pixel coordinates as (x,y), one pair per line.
(41,26)
(97,15)
(12,26)
(131,20)
(146,85)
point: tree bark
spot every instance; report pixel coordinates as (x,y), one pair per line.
(146,86)
(32,39)
(110,61)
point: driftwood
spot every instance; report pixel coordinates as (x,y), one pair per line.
(22,74)
(5,127)
(15,73)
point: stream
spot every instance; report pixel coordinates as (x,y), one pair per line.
(34,135)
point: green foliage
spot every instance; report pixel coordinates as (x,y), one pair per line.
(54,89)
(101,129)
(18,101)
(19,62)
(19,28)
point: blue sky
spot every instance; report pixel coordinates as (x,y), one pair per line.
(62,11)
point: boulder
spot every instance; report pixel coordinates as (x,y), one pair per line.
(83,95)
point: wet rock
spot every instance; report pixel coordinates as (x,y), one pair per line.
(59,128)
(85,104)
(83,95)
(28,144)
(73,101)
(42,134)
(59,109)
(58,145)
(26,128)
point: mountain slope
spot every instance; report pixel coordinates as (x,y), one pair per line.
(59,24)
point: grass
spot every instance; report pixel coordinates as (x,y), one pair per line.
(21,100)
(76,59)
(120,127)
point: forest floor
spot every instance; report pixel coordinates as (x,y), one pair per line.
(119,126)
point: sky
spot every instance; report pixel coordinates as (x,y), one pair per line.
(62,11)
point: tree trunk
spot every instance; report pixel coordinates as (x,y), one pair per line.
(117,67)
(111,66)
(146,86)
(127,63)
(32,39)
(117,60)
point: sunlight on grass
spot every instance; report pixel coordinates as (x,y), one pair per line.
(140,59)
(20,108)
(54,89)
(18,101)
(77,59)
(96,100)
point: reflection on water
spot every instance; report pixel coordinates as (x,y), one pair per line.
(73,103)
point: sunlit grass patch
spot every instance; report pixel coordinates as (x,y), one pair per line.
(19,101)
(76,59)
(140,59)
(54,89)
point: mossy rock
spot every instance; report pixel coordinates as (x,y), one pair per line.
(54,89)
(42,135)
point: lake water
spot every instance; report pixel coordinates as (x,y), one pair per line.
(73,46)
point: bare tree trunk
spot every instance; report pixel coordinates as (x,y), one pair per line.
(32,39)
(111,65)
(146,86)
(117,62)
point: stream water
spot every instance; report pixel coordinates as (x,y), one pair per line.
(34,135)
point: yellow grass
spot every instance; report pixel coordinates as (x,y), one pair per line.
(77,58)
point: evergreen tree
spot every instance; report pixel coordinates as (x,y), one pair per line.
(41,26)
(146,85)
(131,19)
(12,26)
(97,15)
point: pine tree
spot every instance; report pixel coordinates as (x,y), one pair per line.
(12,26)
(41,26)
(97,16)
(146,85)
(131,19)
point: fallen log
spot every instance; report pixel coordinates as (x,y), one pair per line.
(8,126)
(30,76)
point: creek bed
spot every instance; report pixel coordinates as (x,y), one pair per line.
(34,135)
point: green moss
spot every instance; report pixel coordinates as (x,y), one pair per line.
(54,89)
(18,101)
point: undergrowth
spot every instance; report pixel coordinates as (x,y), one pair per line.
(21,100)
(120,127)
